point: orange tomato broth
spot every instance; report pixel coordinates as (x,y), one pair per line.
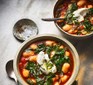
(24,60)
(62,10)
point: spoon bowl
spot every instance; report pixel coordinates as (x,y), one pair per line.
(10,71)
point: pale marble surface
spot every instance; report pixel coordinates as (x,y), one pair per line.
(13,10)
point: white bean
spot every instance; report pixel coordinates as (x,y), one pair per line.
(33,46)
(25,73)
(56,83)
(67,27)
(52,53)
(33,58)
(64,78)
(67,53)
(81,3)
(65,67)
(49,42)
(27,54)
(90,6)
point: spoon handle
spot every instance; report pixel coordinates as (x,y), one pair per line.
(52,19)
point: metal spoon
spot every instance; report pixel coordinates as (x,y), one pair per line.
(11,75)
(10,71)
(52,19)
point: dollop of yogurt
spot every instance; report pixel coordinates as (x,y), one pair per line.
(80,14)
(46,65)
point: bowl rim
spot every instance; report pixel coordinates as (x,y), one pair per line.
(68,34)
(76,58)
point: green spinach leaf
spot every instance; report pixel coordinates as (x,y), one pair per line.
(48,49)
(59,59)
(34,69)
(41,47)
(87,25)
(40,81)
(91,11)
(48,80)
(69,15)
(30,82)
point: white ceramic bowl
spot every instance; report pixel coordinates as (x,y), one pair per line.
(49,37)
(66,34)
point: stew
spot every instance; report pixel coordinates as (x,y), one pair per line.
(78,16)
(46,62)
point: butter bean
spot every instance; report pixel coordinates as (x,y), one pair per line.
(90,6)
(33,58)
(25,73)
(27,54)
(71,31)
(61,47)
(65,67)
(67,53)
(49,42)
(56,83)
(81,3)
(52,53)
(67,27)
(64,78)
(33,46)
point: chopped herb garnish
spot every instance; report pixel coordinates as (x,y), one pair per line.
(69,15)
